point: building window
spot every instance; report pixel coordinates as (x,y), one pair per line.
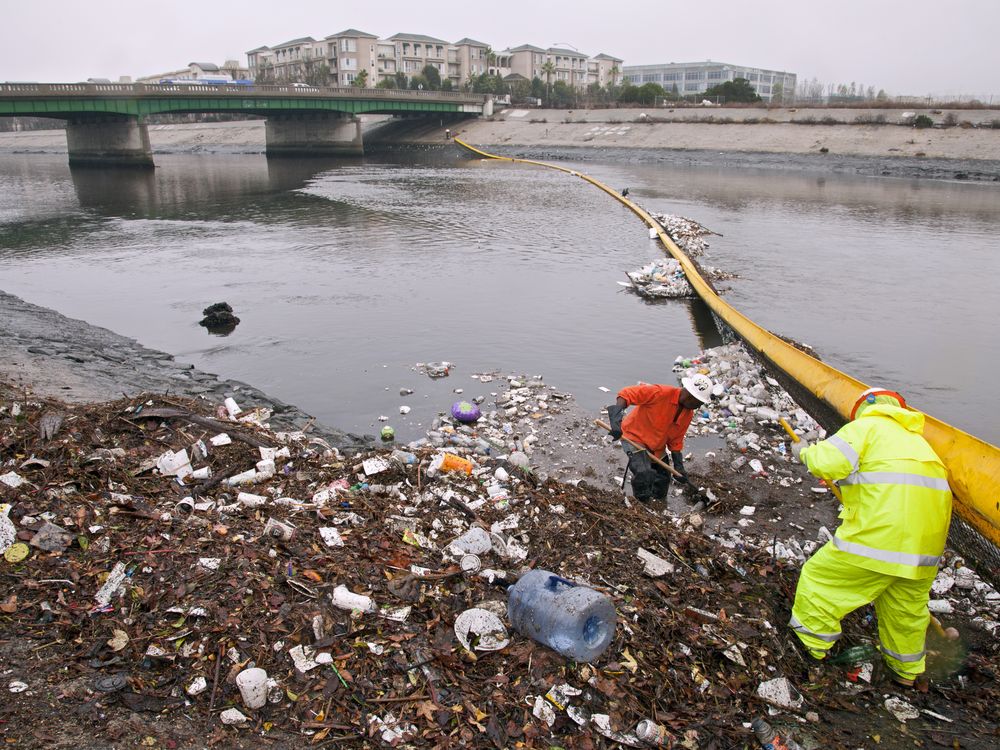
(348,78)
(691,87)
(714,75)
(651,78)
(694,75)
(765,89)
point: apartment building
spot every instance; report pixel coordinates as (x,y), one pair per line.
(231,70)
(695,78)
(348,53)
(467,58)
(605,70)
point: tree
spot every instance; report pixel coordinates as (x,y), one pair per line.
(400,79)
(361,79)
(881,96)
(537,88)
(548,68)
(447,85)
(317,73)
(736,90)
(563,95)
(386,83)
(778,93)
(419,82)
(265,75)
(433,76)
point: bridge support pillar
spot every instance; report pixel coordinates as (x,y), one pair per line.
(108,141)
(314,134)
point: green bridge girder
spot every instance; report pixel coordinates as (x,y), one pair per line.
(68,101)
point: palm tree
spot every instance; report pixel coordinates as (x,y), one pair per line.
(548,68)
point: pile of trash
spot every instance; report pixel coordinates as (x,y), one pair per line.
(179,559)
(509,428)
(687,233)
(665,279)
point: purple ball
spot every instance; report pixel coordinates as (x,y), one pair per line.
(465,411)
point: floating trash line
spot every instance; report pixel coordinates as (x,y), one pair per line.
(973,464)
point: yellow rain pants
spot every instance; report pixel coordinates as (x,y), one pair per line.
(831,586)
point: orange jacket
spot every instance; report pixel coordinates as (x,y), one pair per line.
(658,421)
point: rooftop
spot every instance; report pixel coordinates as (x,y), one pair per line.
(565,52)
(417,38)
(300,40)
(525,47)
(603,56)
(211,67)
(353,32)
(473,42)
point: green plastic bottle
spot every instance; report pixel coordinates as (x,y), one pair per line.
(855,654)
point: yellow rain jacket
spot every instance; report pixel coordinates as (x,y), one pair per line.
(897,503)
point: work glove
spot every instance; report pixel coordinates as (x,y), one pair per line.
(797,449)
(678,460)
(615,416)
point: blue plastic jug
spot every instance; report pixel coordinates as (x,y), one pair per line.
(572,620)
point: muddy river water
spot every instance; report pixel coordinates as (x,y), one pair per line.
(346,274)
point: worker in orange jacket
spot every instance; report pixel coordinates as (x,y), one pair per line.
(658,423)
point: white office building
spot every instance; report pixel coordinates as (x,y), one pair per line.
(688,79)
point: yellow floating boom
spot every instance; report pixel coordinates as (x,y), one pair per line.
(973,464)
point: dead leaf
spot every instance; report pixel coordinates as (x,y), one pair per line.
(119,640)
(629,662)
(9,605)
(427,709)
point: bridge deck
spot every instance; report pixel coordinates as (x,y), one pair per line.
(67,100)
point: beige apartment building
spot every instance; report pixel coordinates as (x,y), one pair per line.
(574,68)
(348,53)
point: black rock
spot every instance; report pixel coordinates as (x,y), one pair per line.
(218,307)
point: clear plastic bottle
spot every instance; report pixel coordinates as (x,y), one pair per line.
(769,739)
(653,734)
(572,620)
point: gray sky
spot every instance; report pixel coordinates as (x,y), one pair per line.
(903,46)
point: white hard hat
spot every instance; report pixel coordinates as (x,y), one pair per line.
(699,386)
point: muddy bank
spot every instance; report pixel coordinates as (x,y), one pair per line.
(59,357)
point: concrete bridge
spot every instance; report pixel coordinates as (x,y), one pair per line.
(106,121)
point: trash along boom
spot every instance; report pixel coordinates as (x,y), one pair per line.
(973,464)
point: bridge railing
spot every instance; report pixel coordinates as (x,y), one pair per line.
(28,90)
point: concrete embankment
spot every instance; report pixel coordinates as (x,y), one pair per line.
(701,135)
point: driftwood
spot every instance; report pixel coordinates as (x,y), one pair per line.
(212,424)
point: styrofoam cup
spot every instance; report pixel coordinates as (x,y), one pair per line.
(253,687)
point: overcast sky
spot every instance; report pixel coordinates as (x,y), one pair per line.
(903,46)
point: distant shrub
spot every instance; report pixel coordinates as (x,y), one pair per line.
(965,125)
(869,119)
(830,121)
(803,121)
(995,124)
(923,121)
(950,120)
(536,121)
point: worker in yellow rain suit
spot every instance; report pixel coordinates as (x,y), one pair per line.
(896,510)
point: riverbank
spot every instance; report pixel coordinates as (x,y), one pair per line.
(712,137)
(53,356)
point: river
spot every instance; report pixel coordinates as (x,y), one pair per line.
(347,273)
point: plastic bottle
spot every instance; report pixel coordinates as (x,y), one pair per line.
(855,654)
(653,734)
(572,620)
(770,739)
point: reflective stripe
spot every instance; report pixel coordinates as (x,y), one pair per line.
(905,658)
(844,447)
(798,626)
(900,558)
(897,477)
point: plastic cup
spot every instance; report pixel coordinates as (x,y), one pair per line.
(253,687)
